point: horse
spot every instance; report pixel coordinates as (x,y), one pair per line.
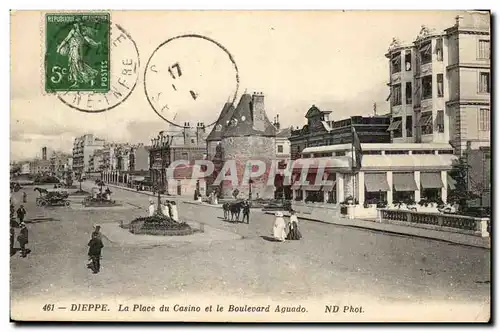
(232,210)
(226,209)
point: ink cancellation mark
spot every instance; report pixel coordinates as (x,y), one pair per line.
(77,52)
(187,75)
(123,76)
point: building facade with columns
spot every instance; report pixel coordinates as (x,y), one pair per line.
(394,172)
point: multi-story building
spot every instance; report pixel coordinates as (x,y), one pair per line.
(440,85)
(440,91)
(188,144)
(96,163)
(39,167)
(320,130)
(25,168)
(83,149)
(59,163)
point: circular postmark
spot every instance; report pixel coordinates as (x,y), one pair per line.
(188,78)
(124,64)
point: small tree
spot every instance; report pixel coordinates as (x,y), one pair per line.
(461,193)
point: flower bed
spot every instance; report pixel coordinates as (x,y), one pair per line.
(159,225)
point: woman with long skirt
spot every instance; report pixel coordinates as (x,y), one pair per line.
(294,233)
(279,230)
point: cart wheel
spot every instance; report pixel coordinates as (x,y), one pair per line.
(67,203)
(43,203)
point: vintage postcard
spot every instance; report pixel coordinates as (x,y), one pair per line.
(250,166)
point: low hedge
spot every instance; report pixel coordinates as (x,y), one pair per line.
(159,225)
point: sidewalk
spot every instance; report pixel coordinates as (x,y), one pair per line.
(147,193)
(456,238)
(122,237)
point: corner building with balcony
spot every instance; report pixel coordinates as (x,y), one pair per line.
(440,85)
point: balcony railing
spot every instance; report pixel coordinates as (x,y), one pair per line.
(478,226)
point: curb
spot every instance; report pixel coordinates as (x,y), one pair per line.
(396,233)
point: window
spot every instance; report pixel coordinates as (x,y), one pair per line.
(372,152)
(396,62)
(484,119)
(184,156)
(427,87)
(396,152)
(398,131)
(280,148)
(192,140)
(426,52)
(439,49)
(408,93)
(396,95)
(440,121)
(440,85)
(409,126)
(426,123)
(423,152)
(484,49)
(408,60)
(484,82)
(340,153)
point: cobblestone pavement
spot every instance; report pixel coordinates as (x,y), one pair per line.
(328,261)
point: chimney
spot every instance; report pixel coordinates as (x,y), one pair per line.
(258,111)
(277,122)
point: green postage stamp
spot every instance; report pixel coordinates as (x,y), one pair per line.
(77,52)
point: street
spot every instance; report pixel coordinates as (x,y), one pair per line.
(330,260)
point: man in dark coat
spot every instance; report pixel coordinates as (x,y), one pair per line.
(22,238)
(21,212)
(12,234)
(246,211)
(95,247)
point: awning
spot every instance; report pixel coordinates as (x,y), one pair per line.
(430,180)
(451,182)
(394,125)
(329,187)
(404,182)
(426,49)
(425,119)
(375,182)
(396,59)
(311,187)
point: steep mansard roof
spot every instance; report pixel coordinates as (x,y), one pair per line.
(223,120)
(242,123)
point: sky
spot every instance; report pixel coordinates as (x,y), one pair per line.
(332,59)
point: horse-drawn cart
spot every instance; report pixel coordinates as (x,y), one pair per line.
(98,198)
(52,197)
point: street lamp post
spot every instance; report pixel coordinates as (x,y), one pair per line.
(162,142)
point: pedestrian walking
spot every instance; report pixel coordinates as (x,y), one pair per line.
(95,247)
(151,208)
(12,210)
(21,212)
(12,235)
(25,197)
(23,240)
(165,209)
(174,214)
(279,231)
(97,231)
(294,233)
(246,211)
